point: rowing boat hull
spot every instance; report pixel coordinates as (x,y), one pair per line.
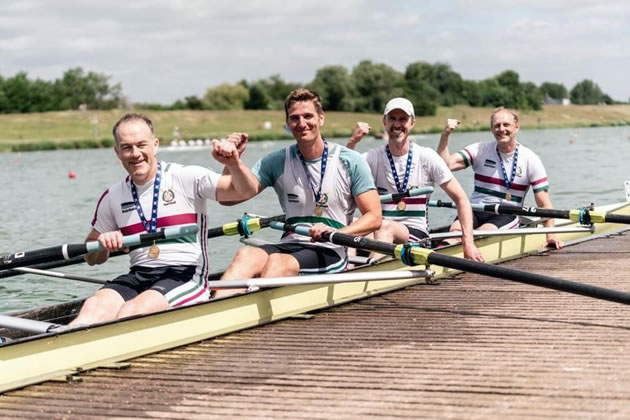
(43,357)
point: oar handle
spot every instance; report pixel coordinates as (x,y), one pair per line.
(339,238)
(69,251)
(409,193)
(440,203)
(252,224)
(145,238)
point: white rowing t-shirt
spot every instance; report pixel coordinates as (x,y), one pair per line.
(489,178)
(182,200)
(428,169)
(345,177)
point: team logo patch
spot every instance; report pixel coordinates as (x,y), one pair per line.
(323,200)
(489,163)
(168,197)
(519,170)
(321,204)
(127,207)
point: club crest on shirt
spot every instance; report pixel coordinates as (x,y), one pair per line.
(489,163)
(519,170)
(323,200)
(168,197)
(127,206)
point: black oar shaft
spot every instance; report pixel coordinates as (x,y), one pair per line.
(528,278)
(343,239)
(227,229)
(583,216)
(427,256)
(526,211)
(56,264)
(69,251)
(42,255)
(617,218)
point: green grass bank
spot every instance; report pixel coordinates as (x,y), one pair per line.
(88,129)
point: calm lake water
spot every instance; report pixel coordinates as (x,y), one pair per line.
(41,206)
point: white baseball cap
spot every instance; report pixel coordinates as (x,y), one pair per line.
(400,103)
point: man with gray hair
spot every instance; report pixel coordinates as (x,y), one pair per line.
(155,195)
(504,172)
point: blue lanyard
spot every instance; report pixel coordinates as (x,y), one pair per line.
(317,194)
(506,181)
(152,227)
(402,188)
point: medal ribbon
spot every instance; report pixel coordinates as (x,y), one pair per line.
(317,194)
(506,181)
(400,188)
(149,226)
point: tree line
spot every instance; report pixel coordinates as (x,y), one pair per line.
(19,94)
(364,89)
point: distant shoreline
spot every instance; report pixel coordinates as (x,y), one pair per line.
(91,129)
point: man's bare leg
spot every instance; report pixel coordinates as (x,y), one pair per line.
(281,265)
(145,303)
(392,232)
(103,306)
(248,263)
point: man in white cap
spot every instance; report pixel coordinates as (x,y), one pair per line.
(399,166)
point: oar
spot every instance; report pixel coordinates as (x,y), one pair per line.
(396,197)
(583,216)
(411,255)
(27,325)
(68,251)
(247,225)
(519,231)
(244,227)
(258,283)
(59,275)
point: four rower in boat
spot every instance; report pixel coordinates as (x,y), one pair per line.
(319,184)
(504,172)
(156,195)
(399,166)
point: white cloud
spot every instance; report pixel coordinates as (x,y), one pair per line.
(164,50)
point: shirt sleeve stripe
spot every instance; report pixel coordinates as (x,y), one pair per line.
(97,206)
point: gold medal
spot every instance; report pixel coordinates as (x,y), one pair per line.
(401,205)
(508,196)
(318,211)
(154,251)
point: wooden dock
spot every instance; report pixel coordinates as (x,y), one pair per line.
(470,347)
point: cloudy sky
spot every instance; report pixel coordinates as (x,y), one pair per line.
(163,50)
